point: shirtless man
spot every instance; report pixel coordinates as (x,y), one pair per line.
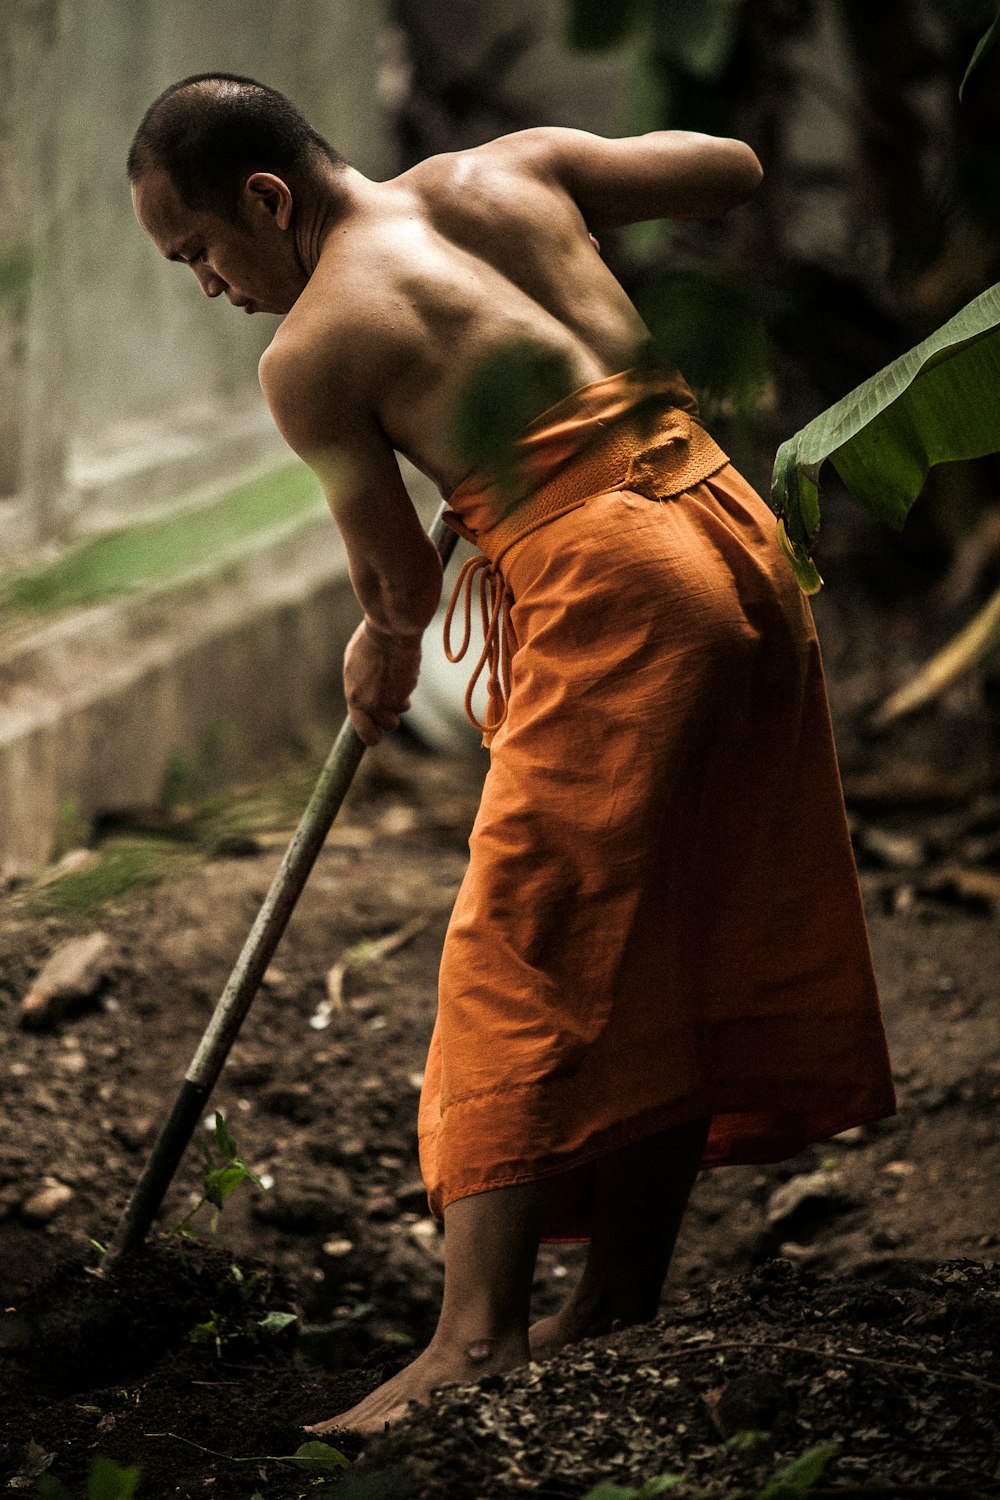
(393,294)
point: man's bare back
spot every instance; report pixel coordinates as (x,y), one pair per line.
(467,253)
(458,258)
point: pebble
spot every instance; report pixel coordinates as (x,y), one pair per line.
(72,973)
(338,1247)
(424,1231)
(898,851)
(44,1204)
(812,1194)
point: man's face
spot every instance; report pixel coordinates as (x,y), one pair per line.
(253,262)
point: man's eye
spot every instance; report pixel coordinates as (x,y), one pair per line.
(198,256)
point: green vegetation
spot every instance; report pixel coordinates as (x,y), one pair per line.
(124,865)
(791,1482)
(106,1481)
(225,1171)
(935,404)
(156,552)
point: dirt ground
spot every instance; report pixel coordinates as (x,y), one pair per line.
(848,1297)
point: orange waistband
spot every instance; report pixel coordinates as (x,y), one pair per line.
(651,448)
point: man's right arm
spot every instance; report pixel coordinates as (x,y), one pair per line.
(395,568)
(666,174)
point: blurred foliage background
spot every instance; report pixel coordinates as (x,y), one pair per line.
(878,217)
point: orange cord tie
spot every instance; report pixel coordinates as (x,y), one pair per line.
(498,632)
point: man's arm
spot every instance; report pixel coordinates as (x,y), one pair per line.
(394,567)
(667,174)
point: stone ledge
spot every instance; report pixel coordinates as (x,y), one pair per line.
(96,705)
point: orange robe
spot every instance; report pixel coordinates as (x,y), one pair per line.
(661,918)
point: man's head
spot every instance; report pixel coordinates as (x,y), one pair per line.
(217,166)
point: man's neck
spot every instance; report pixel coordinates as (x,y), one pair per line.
(339,193)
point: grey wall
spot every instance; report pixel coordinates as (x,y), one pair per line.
(114,368)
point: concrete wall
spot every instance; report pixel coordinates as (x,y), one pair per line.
(116,365)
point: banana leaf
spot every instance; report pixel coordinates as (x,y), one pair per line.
(937,403)
(985,47)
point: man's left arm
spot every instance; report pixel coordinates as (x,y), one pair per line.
(394,567)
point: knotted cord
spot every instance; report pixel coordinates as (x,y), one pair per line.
(498,634)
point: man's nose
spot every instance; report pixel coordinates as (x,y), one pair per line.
(211,284)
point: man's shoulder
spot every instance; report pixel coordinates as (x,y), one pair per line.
(524,149)
(313,377)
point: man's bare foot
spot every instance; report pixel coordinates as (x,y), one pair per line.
(437,1365)
(549,1335)
(568,1326)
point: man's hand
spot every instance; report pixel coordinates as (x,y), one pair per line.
(380,673)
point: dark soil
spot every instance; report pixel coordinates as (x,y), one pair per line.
(864,1316)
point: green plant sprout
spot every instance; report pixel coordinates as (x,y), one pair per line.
(106,1481)
(222,1177)
(219,1329)
(796,1479)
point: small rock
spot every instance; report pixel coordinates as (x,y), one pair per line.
(76,862)
(74,972)
(804,1202)
(336,1248)
(897,851)
(46,1203)
(424,1230)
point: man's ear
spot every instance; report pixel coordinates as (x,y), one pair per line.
(265,190)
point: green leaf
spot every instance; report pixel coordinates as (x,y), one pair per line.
(223,1139)
(938,403)
(319,1458)
(652,1487)
(596,25)
(275,1322)
(798,1477)
(221,1182)
(506,392)
(108,1481)
(984,46)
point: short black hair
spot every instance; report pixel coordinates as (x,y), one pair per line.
(210,131)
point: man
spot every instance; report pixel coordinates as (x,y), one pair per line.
(658,959)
